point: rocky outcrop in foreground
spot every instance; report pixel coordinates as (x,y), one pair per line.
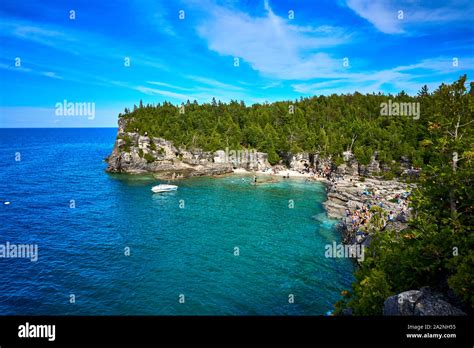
(419,303)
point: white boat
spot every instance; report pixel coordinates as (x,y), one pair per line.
(164,188)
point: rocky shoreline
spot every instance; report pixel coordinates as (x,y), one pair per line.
(352,192)
(348,191)
(349,195)
(134,153)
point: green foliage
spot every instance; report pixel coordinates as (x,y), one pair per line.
(363,155)
(128,143)
(438,245)
(324,124)
(378,218)
(372,288)
(462,280)
(273,157)
(152,145)
(140,153)
(338,160)
(149,158)
(388,175)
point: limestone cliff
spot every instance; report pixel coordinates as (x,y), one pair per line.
(136,153)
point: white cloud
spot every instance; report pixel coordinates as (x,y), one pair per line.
(199,94)
(51,74)
(271,45)
(168,85)
(409,78)
(21,69)
(381,14)
(214,83)
(68,40)
(34,33)
(440,65)
(384,15)
(155,91)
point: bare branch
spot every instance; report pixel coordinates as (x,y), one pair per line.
(465,124)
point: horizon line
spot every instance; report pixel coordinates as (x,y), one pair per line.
(57,127)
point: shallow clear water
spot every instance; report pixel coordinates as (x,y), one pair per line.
(173,250)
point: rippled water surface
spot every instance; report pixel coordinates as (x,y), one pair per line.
(173,250)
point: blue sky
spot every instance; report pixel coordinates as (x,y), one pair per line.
(173,59)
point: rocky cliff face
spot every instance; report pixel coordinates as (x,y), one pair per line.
(350,165)
(135,153)
(299,161)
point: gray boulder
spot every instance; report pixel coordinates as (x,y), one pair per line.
(421,302)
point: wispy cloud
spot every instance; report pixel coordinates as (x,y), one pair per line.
(28,31)
(214,83)
(409,78)
(270,44)
(50,36)
(162,92)
(203,90)
(280,58)
(72,41)
(52,75)
(168,85)
(440,65)
(385,15)
(21,69)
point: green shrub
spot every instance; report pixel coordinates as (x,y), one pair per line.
(128,143)
(370,291)
(152,145)
(273,157)
(388,175)
(149,158)
(462,281)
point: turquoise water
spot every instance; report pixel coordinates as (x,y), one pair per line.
(180,243)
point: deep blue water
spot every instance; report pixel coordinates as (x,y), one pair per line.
(174,250)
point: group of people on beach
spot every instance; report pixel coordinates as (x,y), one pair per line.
(360,217)
(320,172)
(402,201)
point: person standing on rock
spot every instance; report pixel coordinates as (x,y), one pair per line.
(391,216)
